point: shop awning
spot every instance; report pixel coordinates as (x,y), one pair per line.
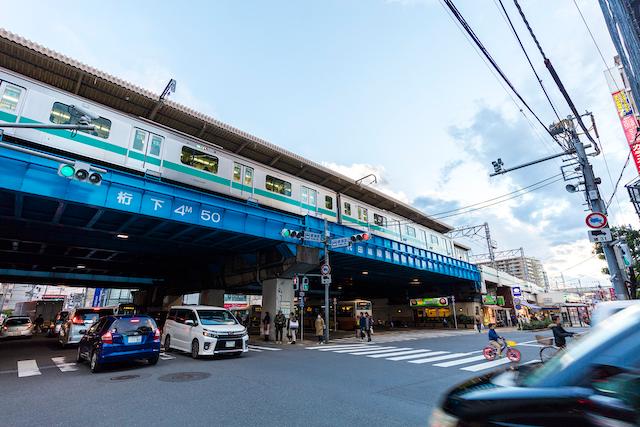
(531,306)
(494,307)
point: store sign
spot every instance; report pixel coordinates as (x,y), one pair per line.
(500,300)
(629,124)
(429,302)
(492,300)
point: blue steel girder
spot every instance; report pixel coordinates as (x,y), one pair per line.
(125,192)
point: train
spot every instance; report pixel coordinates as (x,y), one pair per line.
(141,146)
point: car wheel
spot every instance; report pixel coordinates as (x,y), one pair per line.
(95,366)
(79,356)
(153,360)
(167,343)
(195,349)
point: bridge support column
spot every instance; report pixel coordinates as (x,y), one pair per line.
(171,300)
(213,297)
(277,294)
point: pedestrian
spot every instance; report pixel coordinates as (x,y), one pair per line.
(280,321)
(39,322)
(478,324)
(367,326)
(266,324)
(292,328)
(363,326)
(319,324)
(357,326)
(514,320)
(445,322)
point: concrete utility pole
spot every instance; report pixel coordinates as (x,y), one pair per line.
(327,283)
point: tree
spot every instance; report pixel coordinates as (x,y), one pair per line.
(632,238)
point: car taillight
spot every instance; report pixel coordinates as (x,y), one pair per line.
(78,320)
(156,335)
(107,338)
(5,328)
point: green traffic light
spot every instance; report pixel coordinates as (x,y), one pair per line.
(285,233)
(67,171)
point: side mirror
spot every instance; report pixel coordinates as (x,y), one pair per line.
(190,323)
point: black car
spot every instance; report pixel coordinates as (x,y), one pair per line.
(596,382)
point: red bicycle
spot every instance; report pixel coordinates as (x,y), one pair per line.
(490,352)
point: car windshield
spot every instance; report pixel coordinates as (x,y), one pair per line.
(216,317)
(18,321)
(595,347)
(134,324)
(87,316)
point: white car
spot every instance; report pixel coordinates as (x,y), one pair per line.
(204,330)
(606,309)
(16,326)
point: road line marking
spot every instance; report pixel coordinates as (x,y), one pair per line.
(531,345)
(483,366)
(399,353)
(530,362)
(345,347)
(28,368)
(264,348)
(255,349)
(372,347)
(387,350)
(64,366)
(166,356)
(329,347)
(459,361)
(417,356)
(435,359)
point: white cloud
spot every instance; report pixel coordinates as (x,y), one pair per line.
(359,170)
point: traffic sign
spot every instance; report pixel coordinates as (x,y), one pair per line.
(516,301)
(301,294)
(326,280)
(325,269)
(340,242)
(516,291)
(596,220)
(310,236)
(518,307)
(600,236)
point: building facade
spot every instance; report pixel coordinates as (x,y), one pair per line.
(525,268)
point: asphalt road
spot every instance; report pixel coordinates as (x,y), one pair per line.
(394,381)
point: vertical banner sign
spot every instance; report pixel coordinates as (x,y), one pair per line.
(96,297)
(629,124)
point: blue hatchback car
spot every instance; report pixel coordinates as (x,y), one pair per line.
(119,339)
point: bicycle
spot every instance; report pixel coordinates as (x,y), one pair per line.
(549,350)
(490,352)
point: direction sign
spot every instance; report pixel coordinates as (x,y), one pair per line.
(596,220)
(518,307)
(326,280)
(310,236)
(516,291)
(340,242)
(600,236)
(325,269)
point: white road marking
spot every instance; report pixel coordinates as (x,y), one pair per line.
(28,368)
(64,366)
(459,361)
(434,359)
(254,349)
(349,350)
(530,362)
(417,356)
(387,350)
(264,348)
(335,347)
(166,356)
(399,353)
(482,366)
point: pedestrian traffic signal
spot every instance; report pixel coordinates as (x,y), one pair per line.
(79,172)
(295,283)
(292,234)
(360,237)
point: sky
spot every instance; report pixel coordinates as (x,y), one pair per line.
(390,87)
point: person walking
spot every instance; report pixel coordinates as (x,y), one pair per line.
(367,326)
(39,322)
(445,322)
(357,326)
(292,328)
(266,324)
(319,324)
(478,324)
(363,326)
(279,322)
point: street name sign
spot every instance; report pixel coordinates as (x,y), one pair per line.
(310,236)
(340,242)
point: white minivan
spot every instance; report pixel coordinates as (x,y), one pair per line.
(607,309)
(204,330)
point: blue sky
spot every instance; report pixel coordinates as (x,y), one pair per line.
(391,87)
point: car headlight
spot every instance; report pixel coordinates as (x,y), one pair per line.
(209,334)
(440,418)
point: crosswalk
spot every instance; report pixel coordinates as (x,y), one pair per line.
(472,361)
(397,336)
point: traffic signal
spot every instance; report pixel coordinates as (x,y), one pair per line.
(626,254)
(292,234)
(79,172)
(360,237)
(295,283)
(305,283)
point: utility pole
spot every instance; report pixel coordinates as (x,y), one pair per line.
(327,283)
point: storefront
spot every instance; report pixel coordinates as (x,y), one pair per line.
(575,314)
(493,311)
(428,311)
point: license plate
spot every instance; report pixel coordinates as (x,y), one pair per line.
(230,344)
(134,340)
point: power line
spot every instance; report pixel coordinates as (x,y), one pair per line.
(515,33)
(619,179)
(456,13)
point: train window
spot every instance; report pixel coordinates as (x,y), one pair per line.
(434,239)
(248,176)
(278,185)
(379,220)
(138,140)
(347,208)
(423,234)
(199,160)
(328,202)
(363,214)
(10,97)
(411,232)
(62,114)
(156,145)
(237,172)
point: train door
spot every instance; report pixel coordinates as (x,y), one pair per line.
(11,101)
(308,200)
(145,150)
(242,184)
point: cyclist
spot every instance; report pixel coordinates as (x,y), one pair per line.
(559,333)
(494,339)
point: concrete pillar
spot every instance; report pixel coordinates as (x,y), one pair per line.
(171,300)
(277,294)
(214,297)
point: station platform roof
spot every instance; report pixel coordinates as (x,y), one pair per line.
(40,63)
